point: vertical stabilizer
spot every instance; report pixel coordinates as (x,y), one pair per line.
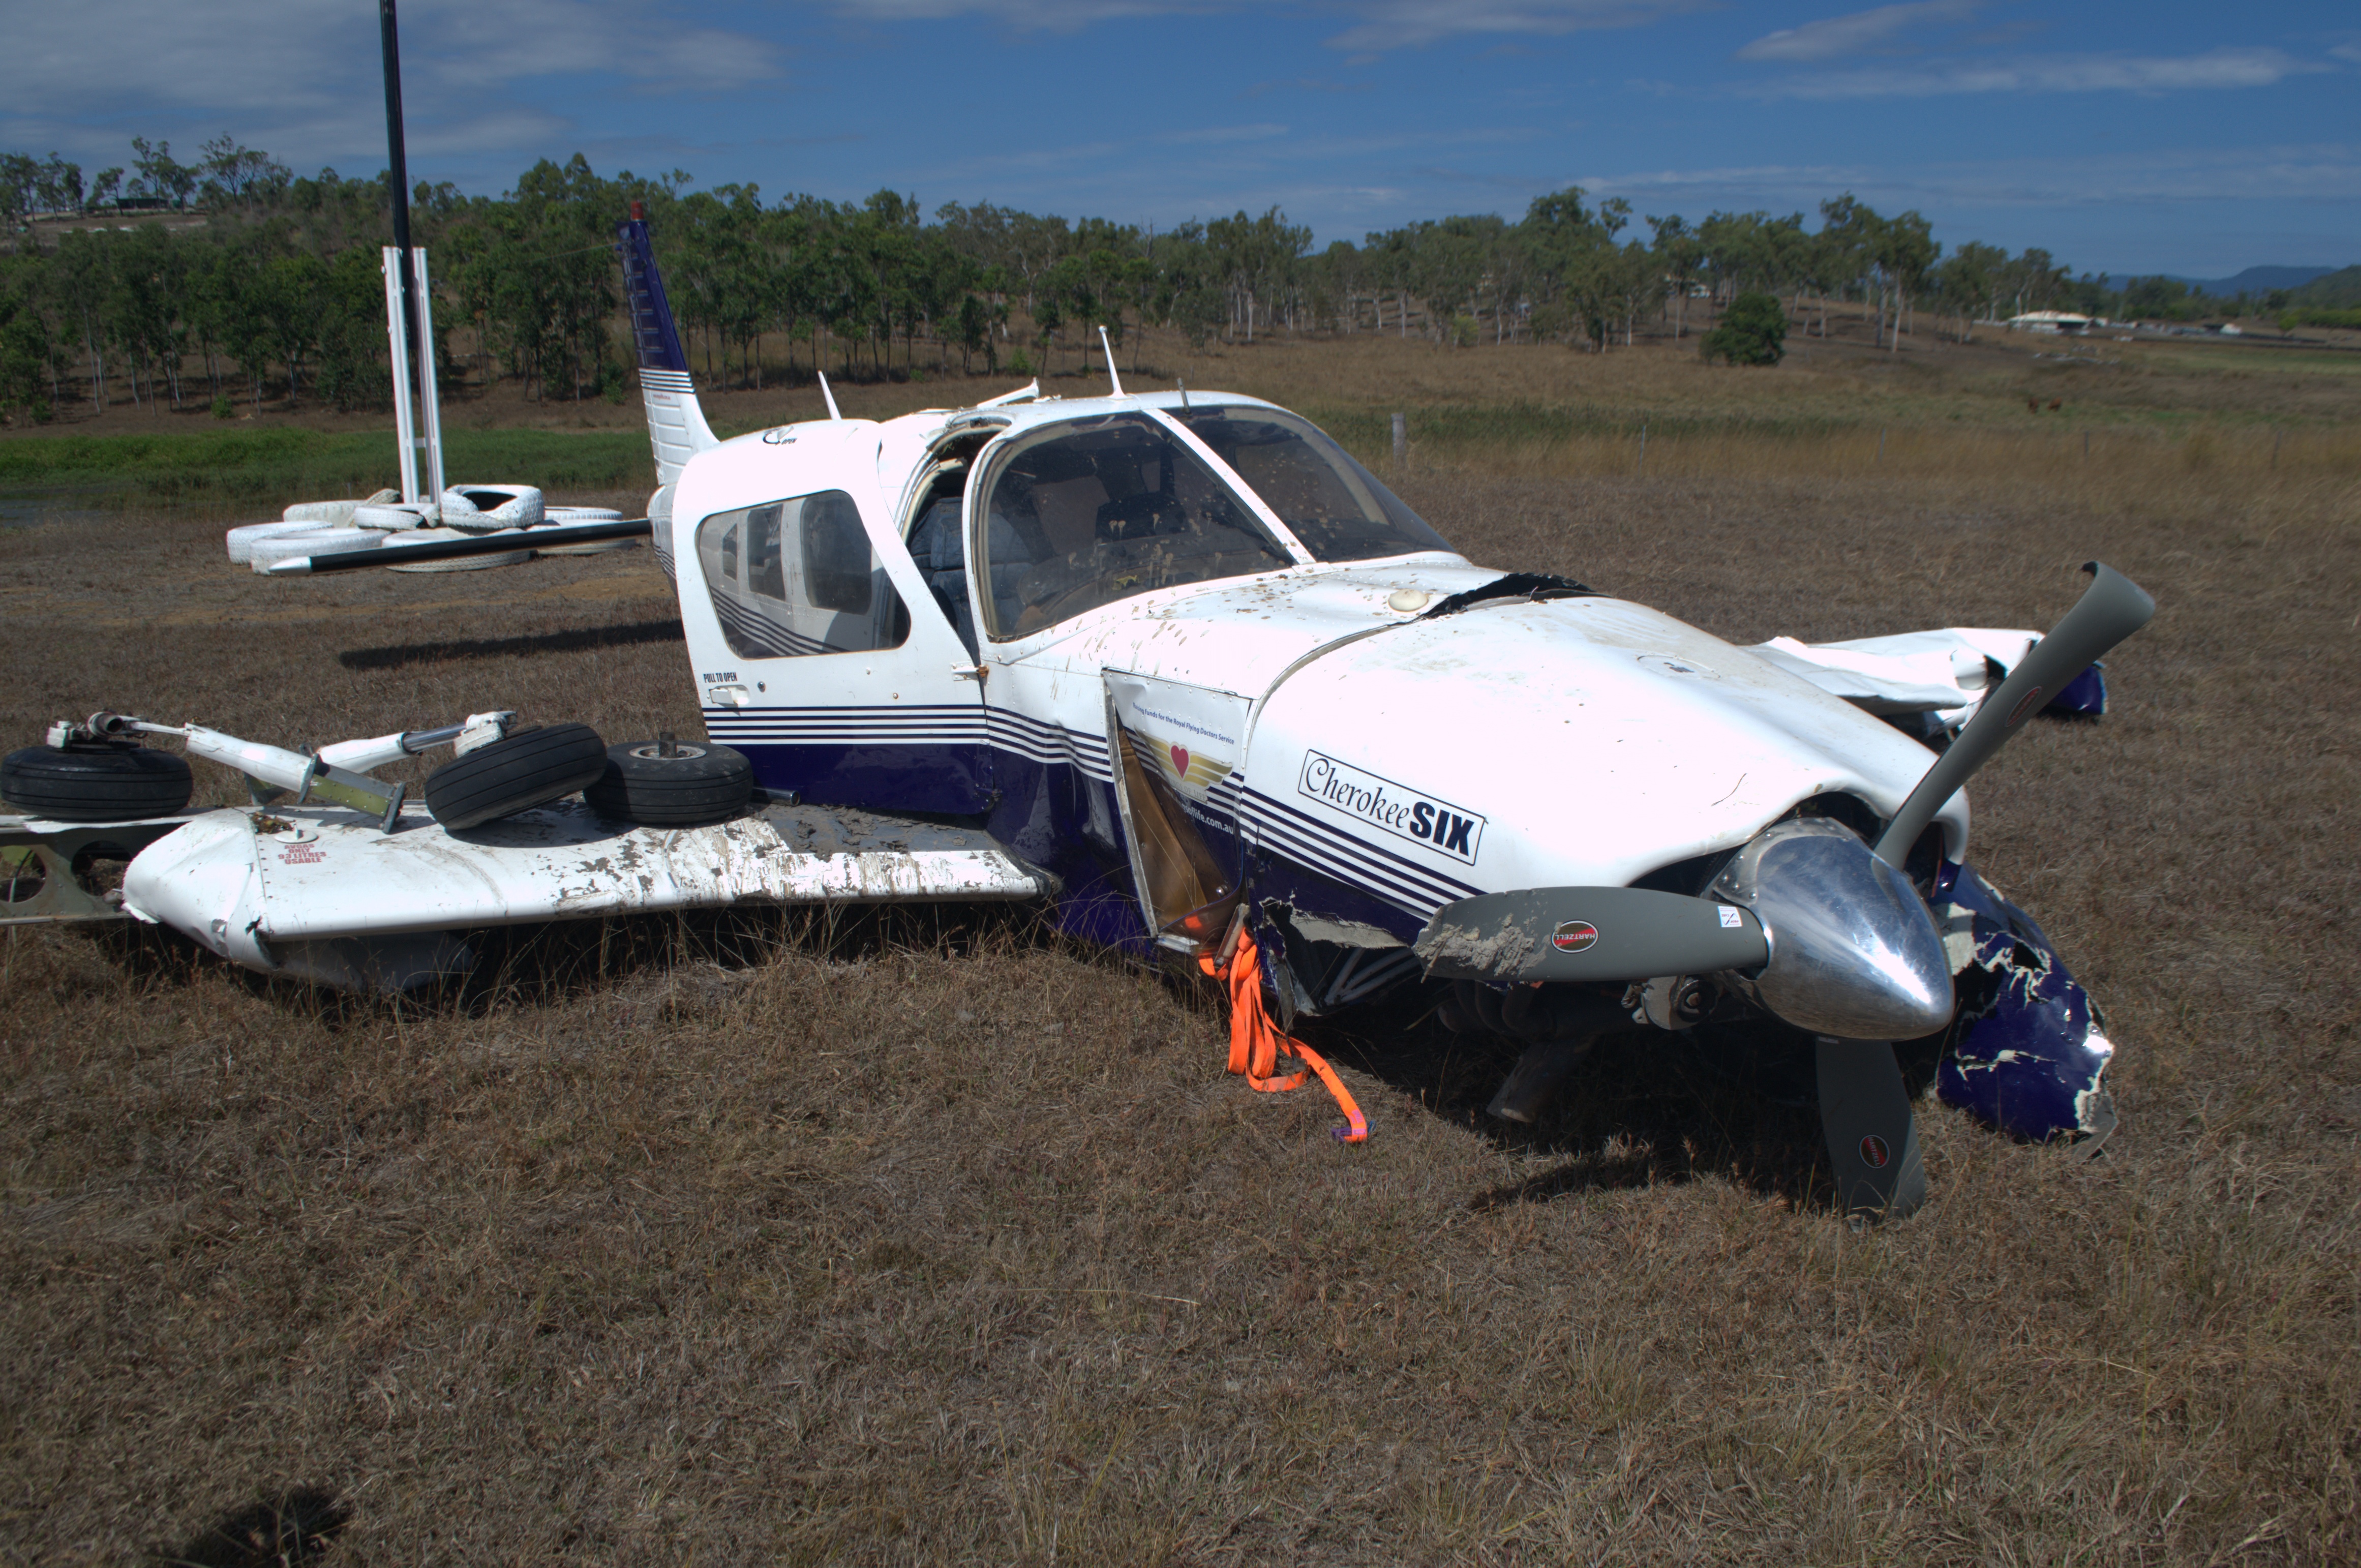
(676,426)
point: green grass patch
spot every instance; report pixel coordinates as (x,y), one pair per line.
(239,467)
(2201,361)
(2294,319)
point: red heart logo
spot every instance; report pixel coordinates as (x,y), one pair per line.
(1180,760)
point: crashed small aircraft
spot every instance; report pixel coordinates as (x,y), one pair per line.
(1180,666)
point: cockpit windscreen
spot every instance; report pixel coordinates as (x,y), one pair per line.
(1087,512)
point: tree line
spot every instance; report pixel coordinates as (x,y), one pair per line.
(277,292)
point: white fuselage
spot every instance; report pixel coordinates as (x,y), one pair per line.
(1373,762)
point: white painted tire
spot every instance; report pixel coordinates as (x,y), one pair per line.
(489,509)
(337,513)
(564,516)
(241,538)
(396,517)
(310,542)
(395,546)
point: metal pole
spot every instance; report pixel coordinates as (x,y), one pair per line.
(398,182)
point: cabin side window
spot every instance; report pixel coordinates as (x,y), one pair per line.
(798,577)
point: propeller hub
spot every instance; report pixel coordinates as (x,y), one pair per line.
(1854,951)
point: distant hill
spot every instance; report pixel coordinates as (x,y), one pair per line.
(2261,280)
(2254,280)
(2331,291)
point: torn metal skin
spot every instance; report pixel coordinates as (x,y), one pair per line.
(2028,1047)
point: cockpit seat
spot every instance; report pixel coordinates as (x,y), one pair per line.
(1142,513)
(939,548)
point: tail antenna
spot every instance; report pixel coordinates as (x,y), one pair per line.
(824,392)
(1113,380)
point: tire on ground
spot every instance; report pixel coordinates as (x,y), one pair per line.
(395,517)
(263,552)
(482,509)
(702,784)
(530,768)
(241,539)
(395,547)
(103,782)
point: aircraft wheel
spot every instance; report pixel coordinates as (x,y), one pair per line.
(530,768)
(690,787)
(103,782)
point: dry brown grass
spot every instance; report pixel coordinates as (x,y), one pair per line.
(925,1242)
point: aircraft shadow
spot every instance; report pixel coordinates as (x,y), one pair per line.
(1642,1110)
(399,656)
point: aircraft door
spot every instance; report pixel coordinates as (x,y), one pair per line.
(1176,751)
(827,660)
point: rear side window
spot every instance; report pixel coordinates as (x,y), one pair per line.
(797,576)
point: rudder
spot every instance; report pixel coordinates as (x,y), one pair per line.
(676,426)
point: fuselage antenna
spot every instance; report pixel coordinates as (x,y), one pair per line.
(1185,390)
(1113,380)
(829,396)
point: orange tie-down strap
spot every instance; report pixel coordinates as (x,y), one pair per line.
(1256,1044)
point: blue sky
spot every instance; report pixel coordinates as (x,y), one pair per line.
(2124,136)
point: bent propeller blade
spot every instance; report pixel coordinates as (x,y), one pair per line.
(2110,608)
(1873,1138)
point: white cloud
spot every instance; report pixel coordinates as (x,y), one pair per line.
(2032,71)
(1375,25)
(1860,31)
(1025,16)
(1399,24)
(269,62)
(1223,134)
(2319,172)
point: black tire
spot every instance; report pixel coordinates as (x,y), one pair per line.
(701,783)
(530,768)
(106,781)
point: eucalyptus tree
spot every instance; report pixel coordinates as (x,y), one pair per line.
(147,291)
(1678,254)
(1907,250)
(162,179)
(28,360)
(234,175)
(1854,234)
(1966,282)
(2033,280)
(82,271)
(1190,293)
